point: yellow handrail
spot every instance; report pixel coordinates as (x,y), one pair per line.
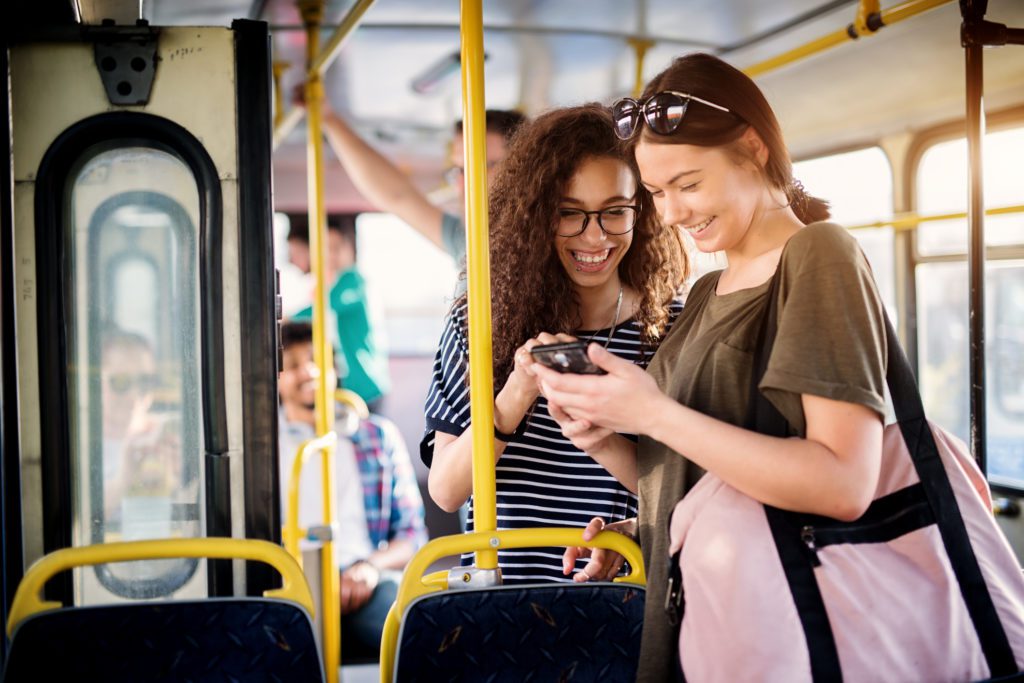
(640,48)
(323,61)
(312,11)
(855,30)
(416,584)
(292,531)
(277,70)
(287,125)
(481,382)
(909,220)
(354,401)
(28,599)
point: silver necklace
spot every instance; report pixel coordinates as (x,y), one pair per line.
(615,319)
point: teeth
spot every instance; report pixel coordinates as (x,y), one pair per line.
(700,226)
(591,258)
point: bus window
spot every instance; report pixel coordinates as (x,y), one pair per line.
(134,359)
(1005,362)
(413,314)
(858,186)
(941,188)
(942,291)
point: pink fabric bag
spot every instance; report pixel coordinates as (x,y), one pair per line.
(923,587)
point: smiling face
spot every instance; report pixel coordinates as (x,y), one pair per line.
(705,191)
(297,382)
(591,259)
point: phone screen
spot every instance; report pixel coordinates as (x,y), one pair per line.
(570,357)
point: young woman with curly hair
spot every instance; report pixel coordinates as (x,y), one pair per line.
(577,251)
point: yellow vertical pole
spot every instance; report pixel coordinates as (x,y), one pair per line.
(312,13)
(279,68)
(481,381)
(865,10)
(640,48)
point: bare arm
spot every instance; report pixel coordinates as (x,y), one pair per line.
(612,451)
(451,474)
(380,181)
(832,472)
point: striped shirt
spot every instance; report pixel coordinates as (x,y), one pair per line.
(542,479)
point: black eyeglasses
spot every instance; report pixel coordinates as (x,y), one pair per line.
(663,112)
(613,220)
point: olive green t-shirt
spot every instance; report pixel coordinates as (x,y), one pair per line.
(830,342)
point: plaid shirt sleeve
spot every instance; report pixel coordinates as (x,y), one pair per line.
(407,514)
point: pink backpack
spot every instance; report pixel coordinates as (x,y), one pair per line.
(923,587)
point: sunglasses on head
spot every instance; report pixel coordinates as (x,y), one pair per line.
(662,111)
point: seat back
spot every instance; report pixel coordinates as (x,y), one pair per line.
(514,633)
(240,639)
(230,639)
(584,632)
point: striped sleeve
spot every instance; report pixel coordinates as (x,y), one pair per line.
(447,404)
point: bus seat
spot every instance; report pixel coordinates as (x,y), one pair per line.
(240,639)
(546,632)
(588,631)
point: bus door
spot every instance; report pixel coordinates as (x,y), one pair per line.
(143,293)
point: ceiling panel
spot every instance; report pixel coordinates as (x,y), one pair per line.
(822,102)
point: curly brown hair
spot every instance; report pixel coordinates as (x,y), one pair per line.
(530,290)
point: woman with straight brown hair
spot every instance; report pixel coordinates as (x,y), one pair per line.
(711,153)
(577,251)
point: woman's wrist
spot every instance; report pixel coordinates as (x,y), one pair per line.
(510,408)
(654,416)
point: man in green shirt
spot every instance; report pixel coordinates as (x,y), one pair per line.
(364,358)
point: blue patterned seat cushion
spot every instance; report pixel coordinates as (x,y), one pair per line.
(219,639)
(564,632)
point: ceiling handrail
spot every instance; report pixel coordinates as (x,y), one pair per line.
(868,22)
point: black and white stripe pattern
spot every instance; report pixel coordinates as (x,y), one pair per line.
(542,479)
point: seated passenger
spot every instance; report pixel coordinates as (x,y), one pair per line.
(576,251)
(379,513)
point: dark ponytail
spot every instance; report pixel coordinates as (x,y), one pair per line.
(808,209)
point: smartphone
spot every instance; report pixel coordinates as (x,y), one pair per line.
(566,357)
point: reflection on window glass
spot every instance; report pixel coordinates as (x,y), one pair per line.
(858,187)
(942,188)
(134,369)
(944,358)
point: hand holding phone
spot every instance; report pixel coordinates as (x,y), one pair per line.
(566,357)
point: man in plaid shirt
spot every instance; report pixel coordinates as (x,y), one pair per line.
(379,512)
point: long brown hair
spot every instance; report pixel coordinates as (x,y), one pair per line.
(710,78)
(530,290)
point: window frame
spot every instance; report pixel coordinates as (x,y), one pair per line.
(137,588)
(119,128)
(922,142)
